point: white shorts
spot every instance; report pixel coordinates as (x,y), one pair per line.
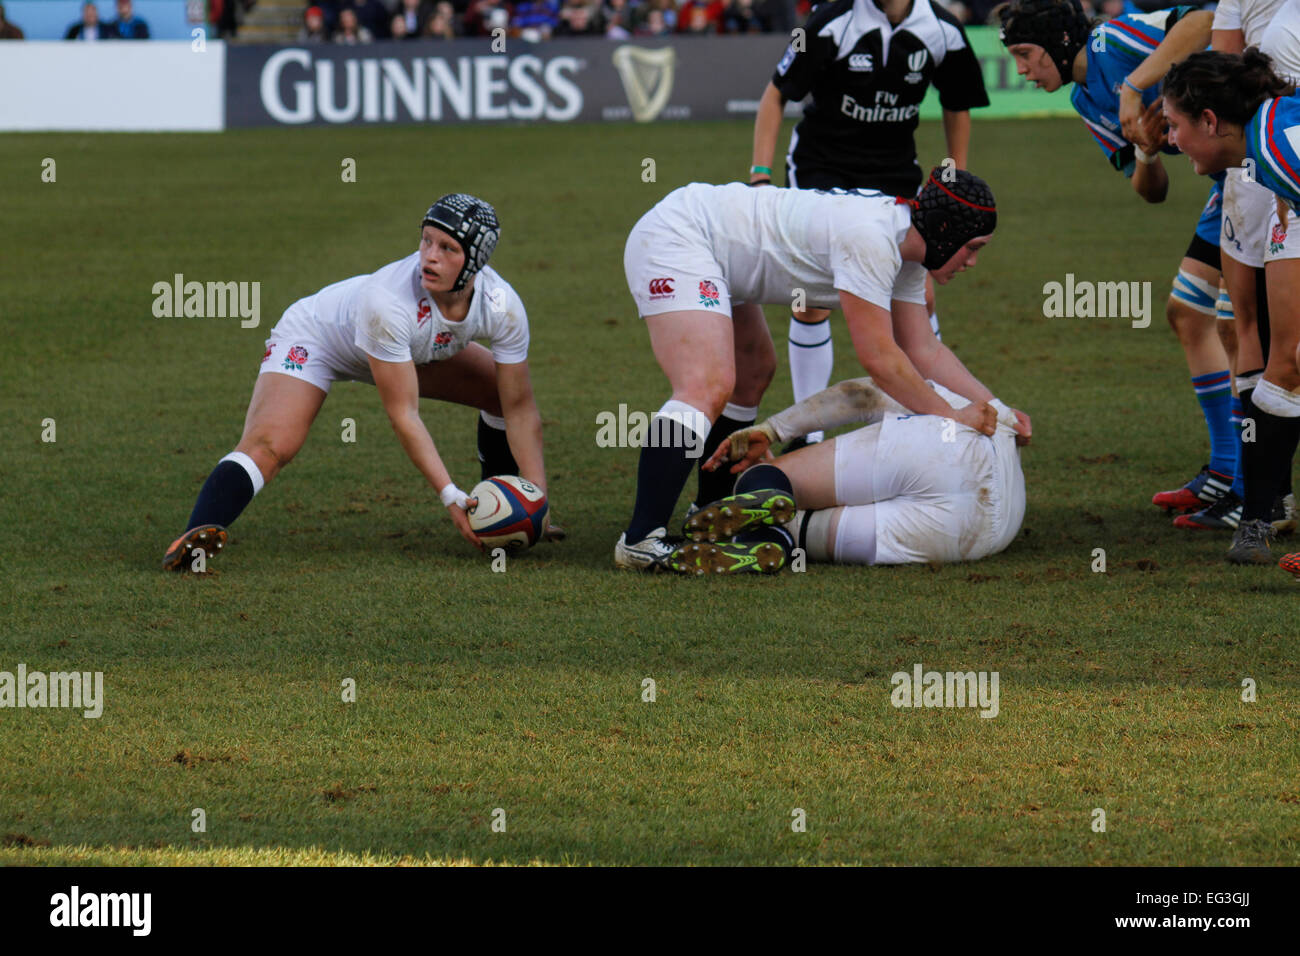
(653,259)
(934,500)
(296,348)
(1251,232)
(1282,244)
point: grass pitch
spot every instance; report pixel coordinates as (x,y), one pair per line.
(522,691)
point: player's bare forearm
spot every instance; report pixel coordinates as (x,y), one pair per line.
(1151,180)
(767,127)
(524,433)
(1228,41)
(948,370)
(1188,35)
(956,133)
(856,400)
(418,445)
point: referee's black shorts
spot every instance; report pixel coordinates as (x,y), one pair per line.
(826,178)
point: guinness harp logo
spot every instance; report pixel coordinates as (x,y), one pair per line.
(647,77)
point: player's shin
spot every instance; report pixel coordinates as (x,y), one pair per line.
(227,492)
(676,441)
(717,483)
(494,455)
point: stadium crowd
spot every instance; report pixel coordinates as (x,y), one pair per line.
(363,21)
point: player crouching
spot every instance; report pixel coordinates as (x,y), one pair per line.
(903,489)
(407,329)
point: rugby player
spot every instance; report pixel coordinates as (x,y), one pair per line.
(905,488)
(1116,68)
(702,262)
(407,329)
(865,66)
(1225,111)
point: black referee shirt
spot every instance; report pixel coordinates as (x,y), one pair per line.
(867,80)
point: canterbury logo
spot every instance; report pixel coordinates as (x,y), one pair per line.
(647,77)
(661,286)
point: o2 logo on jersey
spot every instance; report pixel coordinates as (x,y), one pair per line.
(915,63)
(709,293)
(423,314)
(661,288)
(861,63)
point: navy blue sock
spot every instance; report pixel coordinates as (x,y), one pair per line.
(774,534)
(494,455)
(661,474)
(223,496)
(764,476)
(717,483)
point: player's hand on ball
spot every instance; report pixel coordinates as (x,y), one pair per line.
(461,520)
(553,530)
(1024,428)
(980,416)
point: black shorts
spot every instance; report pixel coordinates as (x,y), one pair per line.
(823,178)
(1202,251)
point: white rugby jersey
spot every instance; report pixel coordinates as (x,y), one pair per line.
(388,314)
(1281,40)
(1251,17)
(772,241)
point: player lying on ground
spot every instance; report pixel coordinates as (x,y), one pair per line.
(1226,110)
(1116,68)
(702,262)
(905,488)
(408,330)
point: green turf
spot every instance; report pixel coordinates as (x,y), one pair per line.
(522,690)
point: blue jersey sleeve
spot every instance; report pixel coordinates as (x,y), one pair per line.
(1273,147)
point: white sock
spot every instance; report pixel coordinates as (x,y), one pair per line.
(1276,400)
(855,536)
(250,466)
(812,358)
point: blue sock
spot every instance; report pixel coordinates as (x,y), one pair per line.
(1239,481)
(1214,392)
(226,493)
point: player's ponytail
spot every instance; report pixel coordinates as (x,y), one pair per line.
(1232,85)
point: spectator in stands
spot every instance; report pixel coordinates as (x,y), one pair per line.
(647,23)
(700,16)
(484,16)
(313,26)
(579,18)
(397,28)
(616,18)
(741,17)
(8,31)
(442,25)
(351,32)
(371,15)
(414,15)
(535,19)
(88,28)
(128,26)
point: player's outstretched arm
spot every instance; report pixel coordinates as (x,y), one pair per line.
(871,329)
(399,389)
(1189,34)
(767,127)
(524,431)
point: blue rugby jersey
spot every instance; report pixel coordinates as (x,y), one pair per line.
(1114,50)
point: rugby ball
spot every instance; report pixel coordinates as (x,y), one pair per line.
(510,513)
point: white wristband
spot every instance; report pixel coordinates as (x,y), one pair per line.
(451,495)
(1146,159)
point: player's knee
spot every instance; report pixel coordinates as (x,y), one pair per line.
(269,451)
